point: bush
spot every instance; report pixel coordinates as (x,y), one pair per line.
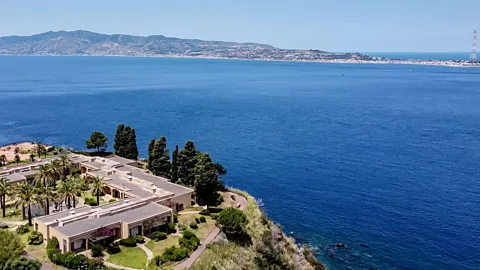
(175,218)
(175,254)
(113,248)
(35,238)
(158,260)
(189,244)
(53,243)
(112,200)
(91,201)
(193,225)
(188,234)
(157,236)
(22,263)
(22,229)
(232,221)
(77,261)
(214,216)
(140,239)
(94,264)
(129,242)
(202,219)
(171,228)
(197,220)
(97,250)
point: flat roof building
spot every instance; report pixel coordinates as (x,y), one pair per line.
(145,201)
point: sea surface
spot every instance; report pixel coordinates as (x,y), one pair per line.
(383,158)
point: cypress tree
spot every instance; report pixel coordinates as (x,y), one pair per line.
(160,158)
(118,143)
(206,183)
(125,144)
(187,159)
(174,173)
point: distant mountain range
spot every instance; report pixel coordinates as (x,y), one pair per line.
(88,43)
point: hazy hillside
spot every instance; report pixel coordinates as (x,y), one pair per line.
(88,43)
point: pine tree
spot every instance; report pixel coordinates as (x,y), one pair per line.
(206,183)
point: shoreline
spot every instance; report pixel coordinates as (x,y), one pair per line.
(444,63)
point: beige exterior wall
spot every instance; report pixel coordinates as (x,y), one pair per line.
(185,199)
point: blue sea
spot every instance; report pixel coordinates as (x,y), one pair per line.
(383,158)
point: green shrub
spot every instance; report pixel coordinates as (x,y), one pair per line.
(175,254)
(214,216)
(112,200)
(22,229)
(97,250)
(22,263)
(94,264)
(77,261)
(113,248)
(189,241)
(35,238)
(232,221)
(171,228)
(202,219)
(91,201)
(175,218)
(53,243)
(188,234)
(158,260)
(140,239)
(157,236)
(129,242)
(193,225)
(197,220)
(189,244)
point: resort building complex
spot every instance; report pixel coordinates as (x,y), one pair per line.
(144,202)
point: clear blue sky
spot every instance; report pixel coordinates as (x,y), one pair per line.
(333,25)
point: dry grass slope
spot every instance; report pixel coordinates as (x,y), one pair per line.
(268,243)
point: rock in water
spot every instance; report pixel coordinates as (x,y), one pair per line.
(340,245)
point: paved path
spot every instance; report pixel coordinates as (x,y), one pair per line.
(189,212)
(242,203)
(147,250)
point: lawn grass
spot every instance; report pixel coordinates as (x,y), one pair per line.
(10,217)
(203,228)
(38,252)
(133,257)
(89,195)
(158,247)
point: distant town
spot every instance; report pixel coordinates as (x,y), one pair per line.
(85,43)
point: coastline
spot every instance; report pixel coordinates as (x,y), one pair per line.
(444,63)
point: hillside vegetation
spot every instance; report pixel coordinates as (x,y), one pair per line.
(269,247)
(89,43)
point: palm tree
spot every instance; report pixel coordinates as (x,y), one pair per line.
(44,178)
(96,187)
(70,189)
(3,160)
(46,195)
(26,194)
(55,169)
(39,149)
(4,191)
(65,163)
